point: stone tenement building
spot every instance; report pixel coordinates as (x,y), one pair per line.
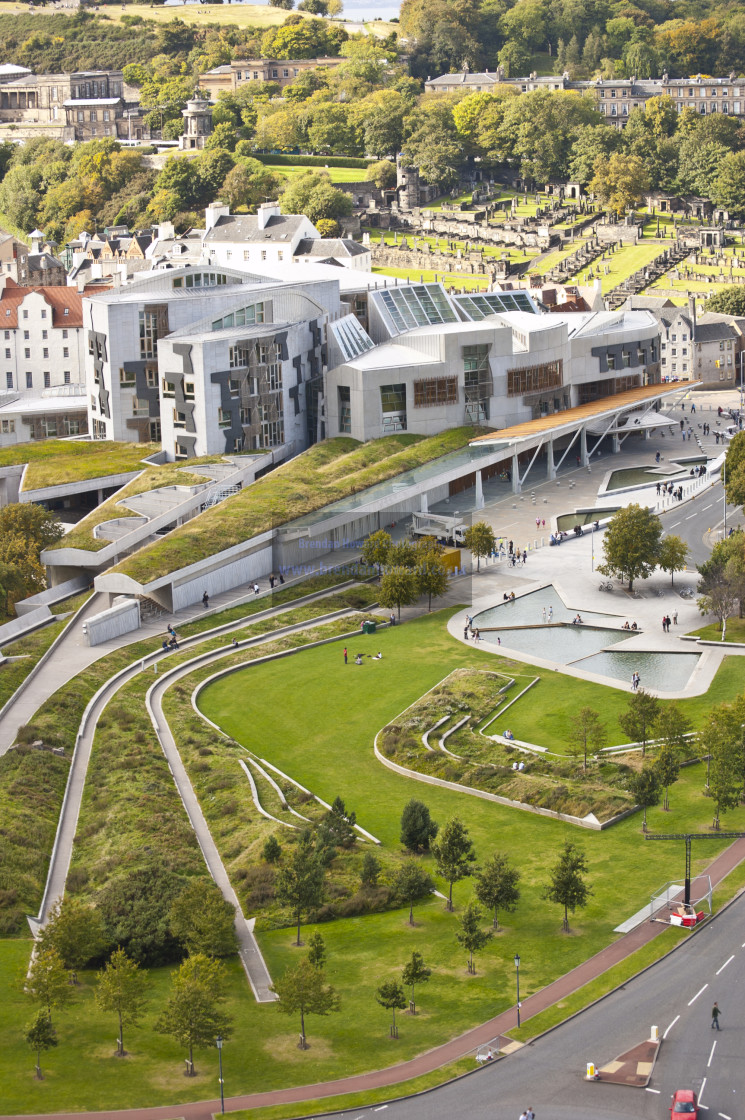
(86,105)
(283,71)
(616,97)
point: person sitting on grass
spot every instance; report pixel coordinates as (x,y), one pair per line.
(378,656)
(508,734)
(358,659)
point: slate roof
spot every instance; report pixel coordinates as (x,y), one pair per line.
(245,227)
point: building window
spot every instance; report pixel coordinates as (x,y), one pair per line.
(272,433)
(44,315)
(189,390)
(535,379)
(66,376)
(45,352)
(65,352)
(224,418)
(238,357)
(8,380)
(245,417)
(126,376)
(435,390)
(155,431)
(345,409)
(246,254)
(64,332)
(7,351)
(29,380)
(44,335)
(149,334)
(47,380)
(9,426)
(26,336)
(393,404)
(169,388)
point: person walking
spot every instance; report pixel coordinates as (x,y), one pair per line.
(715,1013)
(205,600)
(675,617)
(544,614)
(550,614)
(345,656)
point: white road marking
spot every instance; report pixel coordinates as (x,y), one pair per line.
(725,1116)
(670,1027)
(725,965)
(690,516)
(690,1001)
(382,1108)
(701,1093)
(710,506)
(711,1055)
(674,524)
(654,1091)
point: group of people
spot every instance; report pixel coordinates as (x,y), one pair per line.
(171,640)
(635,681)
(666,620)
(358,657)
(527,1114)
(633,625)
(254,587)
(577,620)
(667,488)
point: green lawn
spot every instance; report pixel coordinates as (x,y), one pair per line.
(53,461)
(735,631)
(476,283)
(335,174)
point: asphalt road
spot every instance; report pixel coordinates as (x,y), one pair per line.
(693,520)
(676,995)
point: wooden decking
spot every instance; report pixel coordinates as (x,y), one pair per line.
(571,417)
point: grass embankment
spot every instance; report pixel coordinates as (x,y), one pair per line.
(335,174)
(31,797)
(735,631)
(26,652)
(170,474)
(547,782)
(454,279)
(53,461)
(326,472)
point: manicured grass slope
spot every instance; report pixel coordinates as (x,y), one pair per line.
(53,461)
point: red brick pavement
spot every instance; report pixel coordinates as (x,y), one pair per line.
(439,1056)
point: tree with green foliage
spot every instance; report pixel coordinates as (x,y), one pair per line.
(593,142)
(631,544)
(398,588)
(316,949)
(272,850)
(567,886)
(722,740)
(75,930)
(249,183)
(673,555)
(135,911)
(415,972)
(204,921)
(638,719)
(471,935)
(338,825)
(480,540)
(40,526)
(671,729)
(193,1014)
(370,872)
(454,854)
(412,882)
(48,981)
(382,174)
(588,732)
(417,827)
(314,195)
(122,989)
(722,585)
(391,995)
(728,301)
(41,1036)
(496,885)
(376,549)
(303,991)
(729,186)
(733,477)
(300,884)
(432,574)
(646,786)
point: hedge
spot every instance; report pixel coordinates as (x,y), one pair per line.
(311,161)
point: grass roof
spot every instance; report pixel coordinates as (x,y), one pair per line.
(53,461)
(327,472)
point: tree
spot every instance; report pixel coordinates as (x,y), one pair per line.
(480,541)
(722,586)
(646,787)
(415,972)
(375,550)
(338,825)
(471,935)
(567,887)
(370,871)
(454,854)
(328,227)
(631,544)
(314,195)
(288,5)
(122,988)
(40,526)
(496,885)
(391,995)
(249,183)
(728,187)
(272,850)
(203,920)
(303,991)
(728,301)
(382,173)
(722,739)
(40,1035)
(316,949)
(75,931)
(412,882)
(398,588)
(671,729)
(432,575)
(593,142)
(136,915)
(192,1013)
(417,826)
(587,731)
(638,719)
(300,884)
(48,981)
(673,555)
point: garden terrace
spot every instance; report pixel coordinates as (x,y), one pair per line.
(327,472)
(55,461)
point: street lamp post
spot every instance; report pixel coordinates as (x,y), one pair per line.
(218,1041)
(517,974)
